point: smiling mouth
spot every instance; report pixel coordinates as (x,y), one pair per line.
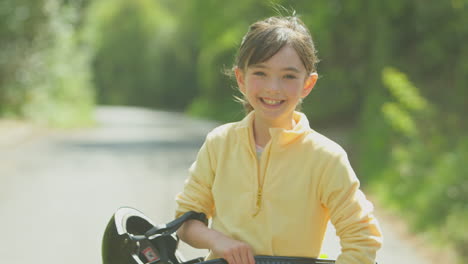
(271,102)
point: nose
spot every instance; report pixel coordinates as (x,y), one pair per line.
(274,86)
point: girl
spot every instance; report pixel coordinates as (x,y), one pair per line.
(270,183)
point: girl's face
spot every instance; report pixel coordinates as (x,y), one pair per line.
(275,87)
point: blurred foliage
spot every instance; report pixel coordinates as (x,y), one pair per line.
(44,73)
(134,60)
(173,55)
(425,174)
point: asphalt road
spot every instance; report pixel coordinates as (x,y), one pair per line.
(59,189)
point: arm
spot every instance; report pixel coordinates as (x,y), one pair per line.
(351,214)
(197,196)
(198,235)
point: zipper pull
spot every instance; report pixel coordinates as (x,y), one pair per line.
(259,201)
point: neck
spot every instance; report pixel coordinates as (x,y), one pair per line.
(261,133)
(261,130)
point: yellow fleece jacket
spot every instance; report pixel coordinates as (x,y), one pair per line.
(280,204)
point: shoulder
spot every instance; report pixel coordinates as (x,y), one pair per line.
(222,132)
(323,145)
(316,142)
(332,159)
(231,129)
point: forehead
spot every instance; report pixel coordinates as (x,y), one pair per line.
(285,59)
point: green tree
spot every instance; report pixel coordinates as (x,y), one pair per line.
(43,70)
(134,59)
(425,174)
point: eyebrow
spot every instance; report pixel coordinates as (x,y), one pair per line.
(290,68)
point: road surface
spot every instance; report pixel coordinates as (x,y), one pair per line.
(59,189)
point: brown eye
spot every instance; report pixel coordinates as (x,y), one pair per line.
(259,73)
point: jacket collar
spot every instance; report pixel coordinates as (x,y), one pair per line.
(280,135)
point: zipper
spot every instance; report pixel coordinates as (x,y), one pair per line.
(259,201)
(258,186)
(261,177)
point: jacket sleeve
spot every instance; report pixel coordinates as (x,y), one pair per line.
(196,195)
(351,213)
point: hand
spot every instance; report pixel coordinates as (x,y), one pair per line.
(233,251)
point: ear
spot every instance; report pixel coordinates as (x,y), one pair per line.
(309,84)
(240,79)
